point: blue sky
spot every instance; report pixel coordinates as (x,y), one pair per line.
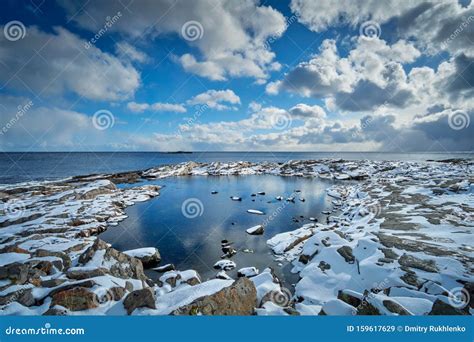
(213,75)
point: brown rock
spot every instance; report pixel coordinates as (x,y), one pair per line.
(238,299)
(138,299)
(76,299)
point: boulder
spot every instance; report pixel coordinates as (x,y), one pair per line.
(45,253)
(119,264)
(138,299)
(149,256)
(346,253)
(23,296)
(76,299)
(238,299)
(396,308)
(79,274)
(256,230)
(414,262)
(442,308)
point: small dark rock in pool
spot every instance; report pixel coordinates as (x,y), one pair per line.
(214,192)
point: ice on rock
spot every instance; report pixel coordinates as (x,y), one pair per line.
(256,212)
(247,272)
(225,265)
(256,230)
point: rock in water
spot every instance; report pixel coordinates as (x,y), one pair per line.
(225,265)
(239,299)
(149,256)
(248,272)
(256,212)
(256,230)
(138,299)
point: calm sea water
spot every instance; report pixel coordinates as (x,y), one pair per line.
(24,167)
(195,243)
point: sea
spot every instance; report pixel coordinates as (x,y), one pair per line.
(18,167)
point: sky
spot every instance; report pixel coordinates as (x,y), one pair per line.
(224,75)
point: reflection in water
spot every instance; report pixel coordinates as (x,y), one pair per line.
(194,241)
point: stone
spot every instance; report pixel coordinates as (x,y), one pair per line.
(238,299)
(45,253)
(123,266)
(117,292)
(79,274)
(346,253)
(148,259)
(76,299)
(138,299)
(396,308)
(414,262)
(349,298)
(441,308)
(23,296)
(16,272)
(56,311)
(52,282)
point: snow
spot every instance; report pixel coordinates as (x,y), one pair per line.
(225,265)
(254,229)
(10,258)
(248,271)
(256,212)
(336,307)
(141,252)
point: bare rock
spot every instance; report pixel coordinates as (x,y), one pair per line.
(138,299)
(414,262)
(442,308)
(123,266)
(396,308)
(76,299)
(238,299)
(346,253)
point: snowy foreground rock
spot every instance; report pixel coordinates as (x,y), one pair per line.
(398,241)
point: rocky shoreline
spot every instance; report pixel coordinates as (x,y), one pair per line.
(398,240)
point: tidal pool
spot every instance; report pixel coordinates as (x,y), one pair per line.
(195,242)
